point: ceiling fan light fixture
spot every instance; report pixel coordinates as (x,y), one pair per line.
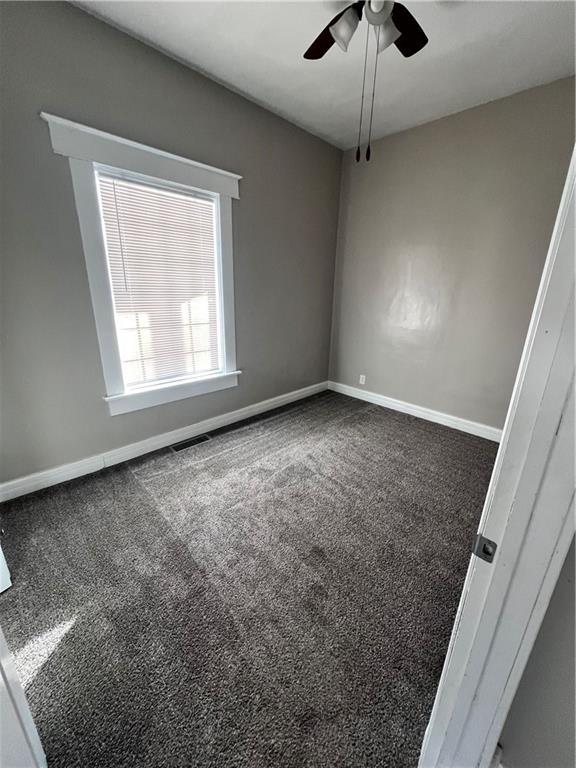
(378,13)
(386,35)
(343,29)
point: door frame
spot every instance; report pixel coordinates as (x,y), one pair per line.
(503,602)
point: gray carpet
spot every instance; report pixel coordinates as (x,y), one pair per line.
(281,595)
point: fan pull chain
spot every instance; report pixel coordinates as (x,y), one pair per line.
(363,90)
(368,148)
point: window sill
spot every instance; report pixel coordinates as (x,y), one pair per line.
(167,393)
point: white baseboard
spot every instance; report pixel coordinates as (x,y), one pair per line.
(35,482)
(473,427)
(22,485)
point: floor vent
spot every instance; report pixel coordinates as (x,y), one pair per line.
(189,443)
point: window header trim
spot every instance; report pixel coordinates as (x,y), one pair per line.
(80,142)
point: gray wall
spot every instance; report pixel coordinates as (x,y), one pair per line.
(442,239)
(57,58)
(539,731)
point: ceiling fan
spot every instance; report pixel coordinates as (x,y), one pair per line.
(393,25)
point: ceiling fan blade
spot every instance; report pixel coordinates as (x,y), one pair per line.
(325,39)
(412,37)
(321,45)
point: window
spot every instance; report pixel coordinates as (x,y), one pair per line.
(157,237)
(161,249)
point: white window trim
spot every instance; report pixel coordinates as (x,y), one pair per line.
(86,148)
(83,143)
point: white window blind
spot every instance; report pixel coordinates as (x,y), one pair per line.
(161,251)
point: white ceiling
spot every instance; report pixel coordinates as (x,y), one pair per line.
(478,51)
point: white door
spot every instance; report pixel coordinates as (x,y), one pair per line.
(5,580)
(19,742)
(529,515)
